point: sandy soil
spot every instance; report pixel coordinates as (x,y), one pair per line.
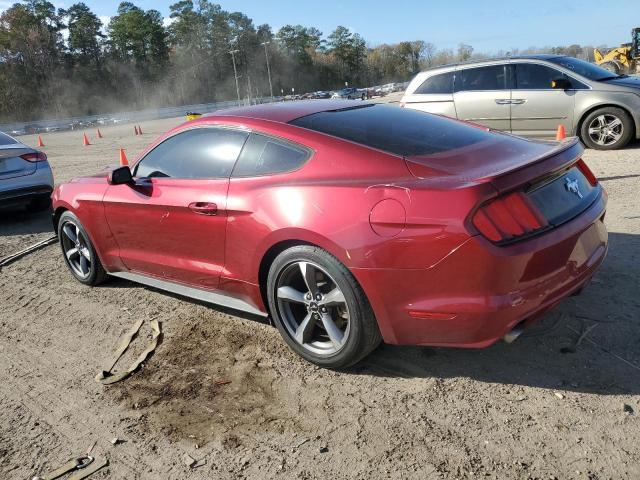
(542,407)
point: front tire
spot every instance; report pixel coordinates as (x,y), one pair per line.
(319,308)
(78,251)
(608,128)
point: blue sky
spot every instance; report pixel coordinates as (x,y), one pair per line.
(489,26)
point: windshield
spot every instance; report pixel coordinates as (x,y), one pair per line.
(586,69)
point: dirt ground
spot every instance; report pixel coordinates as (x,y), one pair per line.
(547,406)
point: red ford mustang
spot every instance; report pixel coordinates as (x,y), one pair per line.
(348,224)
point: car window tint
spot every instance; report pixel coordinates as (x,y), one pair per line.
(6,139)
(264,155)
(195,153)
(401,131)
(483,78)
(531,76)
(442,83)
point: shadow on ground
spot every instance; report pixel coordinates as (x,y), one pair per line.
(20,221)
(551,354)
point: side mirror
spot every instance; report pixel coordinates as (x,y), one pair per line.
(120,176)
(561,84)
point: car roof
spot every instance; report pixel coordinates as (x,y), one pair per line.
(537,56)
(284,112)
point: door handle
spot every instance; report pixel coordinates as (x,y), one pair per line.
(503,101)
(518,101)
(204,208)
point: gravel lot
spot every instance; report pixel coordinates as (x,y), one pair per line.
(547,406)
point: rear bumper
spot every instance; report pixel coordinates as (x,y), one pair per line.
(478,293)
(18,190)
(25,194)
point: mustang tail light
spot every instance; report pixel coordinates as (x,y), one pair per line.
(509,217)
(34,157)
(586,171)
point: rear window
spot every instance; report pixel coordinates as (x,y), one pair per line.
(400,131)
(264,155)
(492,77)
(6,139)
(442,83)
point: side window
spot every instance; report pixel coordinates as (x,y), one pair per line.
(442,83)
(483,78)
(531,76)
(264,155)
(197,153)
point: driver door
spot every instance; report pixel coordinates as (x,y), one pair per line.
(171,222)
(536,108)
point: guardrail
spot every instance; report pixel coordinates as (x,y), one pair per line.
(39,126)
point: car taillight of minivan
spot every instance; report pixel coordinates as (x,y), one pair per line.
(509,217)
(34,157)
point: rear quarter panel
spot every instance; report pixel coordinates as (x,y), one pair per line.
(441,104)
(588,100)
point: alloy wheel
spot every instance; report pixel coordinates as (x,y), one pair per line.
(606,129)
(313,308)
(75,247)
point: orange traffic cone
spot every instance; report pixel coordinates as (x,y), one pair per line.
(139,130)
(123,158)
(562,133)
(135,129)
(99,134)
(40,142)
(85,140)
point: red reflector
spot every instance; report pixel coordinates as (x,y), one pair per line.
(586,171)
(34,157)
(431,315)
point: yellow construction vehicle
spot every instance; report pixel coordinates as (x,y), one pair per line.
(623,59)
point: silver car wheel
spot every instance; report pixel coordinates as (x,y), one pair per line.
(312,308)
(606,129)
(76,250)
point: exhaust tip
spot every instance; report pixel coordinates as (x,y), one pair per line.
(513,335)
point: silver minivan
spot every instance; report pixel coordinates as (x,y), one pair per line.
(532,96)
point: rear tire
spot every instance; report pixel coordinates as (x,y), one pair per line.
(78,252)
(607,128)
(320,309)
